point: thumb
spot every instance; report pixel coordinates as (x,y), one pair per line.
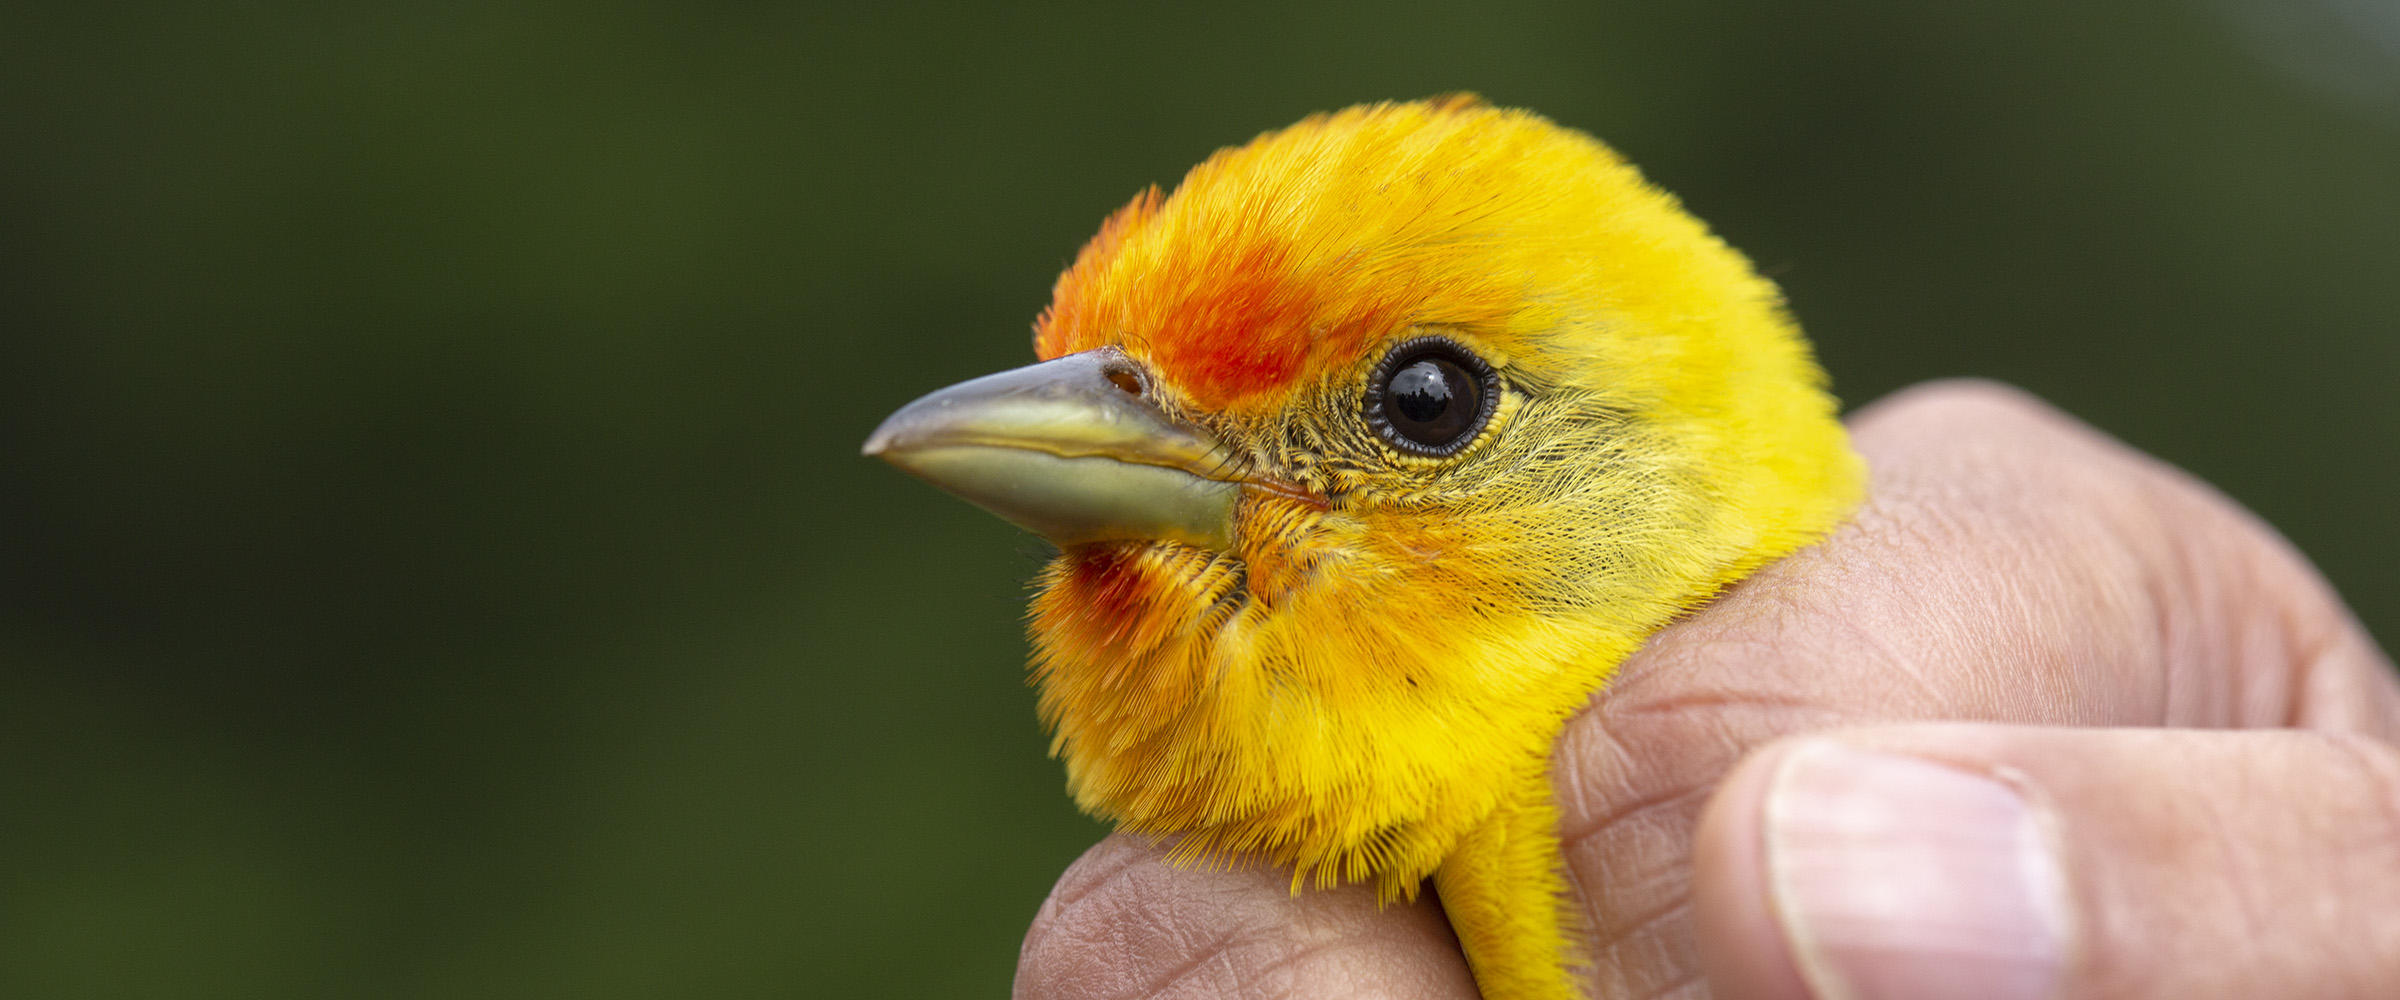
(2004,862)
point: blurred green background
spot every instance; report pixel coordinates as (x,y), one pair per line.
(435,557)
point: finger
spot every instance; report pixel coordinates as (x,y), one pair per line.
(1123,924)
(2010,565)
(2000,862)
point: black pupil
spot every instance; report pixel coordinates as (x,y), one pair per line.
(1431,401)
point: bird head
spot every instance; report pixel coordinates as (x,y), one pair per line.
(1369,451)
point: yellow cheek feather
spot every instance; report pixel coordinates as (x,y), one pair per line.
(1365,685)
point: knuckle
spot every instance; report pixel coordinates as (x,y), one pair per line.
(1123,924)
(1980,448)
(1993,431)
(1103,933)
(1968,402)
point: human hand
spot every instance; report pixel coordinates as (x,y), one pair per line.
(2012,568)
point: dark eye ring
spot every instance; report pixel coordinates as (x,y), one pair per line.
(1430,397)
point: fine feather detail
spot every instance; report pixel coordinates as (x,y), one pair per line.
(1366,685)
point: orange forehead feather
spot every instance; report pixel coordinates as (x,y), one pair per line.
(1309,246)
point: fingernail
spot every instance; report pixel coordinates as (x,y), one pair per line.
(1899,877)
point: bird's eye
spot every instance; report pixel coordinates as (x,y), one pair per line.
(1429,396)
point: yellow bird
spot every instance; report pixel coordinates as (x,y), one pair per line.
(1369,452)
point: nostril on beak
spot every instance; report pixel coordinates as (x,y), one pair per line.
(1126,379)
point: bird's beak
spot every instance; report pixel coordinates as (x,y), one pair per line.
(1069,449)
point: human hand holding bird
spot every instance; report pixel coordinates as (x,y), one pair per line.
(1371,452)
(2224,832)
